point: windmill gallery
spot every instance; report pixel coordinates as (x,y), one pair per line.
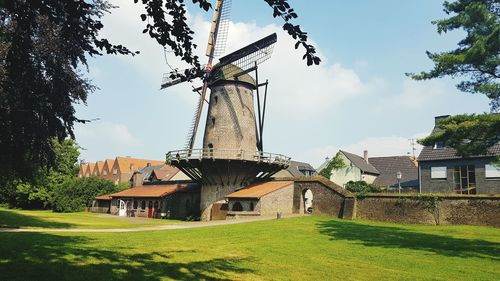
(230,176)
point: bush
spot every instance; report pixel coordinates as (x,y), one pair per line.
(362,187)
(78,193)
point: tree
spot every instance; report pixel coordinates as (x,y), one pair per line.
(336,163)
(43,47)
(38,192)
(469,134)
(476,61)
(477,57)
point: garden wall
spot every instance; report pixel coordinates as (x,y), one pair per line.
(431,209)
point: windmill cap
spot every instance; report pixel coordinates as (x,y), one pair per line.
(230,73)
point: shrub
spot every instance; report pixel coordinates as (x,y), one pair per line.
(78,193)
(361,187)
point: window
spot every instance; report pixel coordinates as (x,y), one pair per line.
(439,145)
(491,171)
(252,207)
(464,179)
(237,207)
(143,205)
(438,172)
(115,170)
(105,172)
(135,204)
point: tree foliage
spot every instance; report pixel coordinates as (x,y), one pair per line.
(44,46)
(361,188)
(335,163)
(477,57)
(476,61)
(77,193)
(37,193)
(470,134)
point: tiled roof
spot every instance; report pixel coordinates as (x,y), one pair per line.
(83,169)
(360,162)
(389,166)
(260,189)
(103,197)
(429,153)
(124,163)
(153,190)
(296,167)
(99,165)
(166,172)
(90,169)
(109,164)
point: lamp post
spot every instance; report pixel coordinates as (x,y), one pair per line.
(399,175)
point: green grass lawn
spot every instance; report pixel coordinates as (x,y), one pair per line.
(305,248)
(48,219)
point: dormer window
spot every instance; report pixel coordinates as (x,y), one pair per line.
(439,145)
(105,172)
(115,170)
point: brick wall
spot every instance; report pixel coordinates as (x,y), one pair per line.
(278,201)
(471,210)
(328,197)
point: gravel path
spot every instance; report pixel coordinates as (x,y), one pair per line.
(183,225)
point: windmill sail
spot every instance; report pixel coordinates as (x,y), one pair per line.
(248,57)
(220,27)
(212,42)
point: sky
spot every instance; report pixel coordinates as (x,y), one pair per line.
(357,99)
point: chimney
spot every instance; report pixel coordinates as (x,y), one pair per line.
(137,179)
(365,155)
(438,119)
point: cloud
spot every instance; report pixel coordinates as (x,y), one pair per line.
(376,146)
(293,85)
(106,139)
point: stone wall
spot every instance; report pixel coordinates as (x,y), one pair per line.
(278,201)
(442,209)
(328,197)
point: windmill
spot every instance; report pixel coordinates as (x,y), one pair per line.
(232,155)
(217,39)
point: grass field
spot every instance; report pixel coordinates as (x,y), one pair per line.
(304,248)
(48,219)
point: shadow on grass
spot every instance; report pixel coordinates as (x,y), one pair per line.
(10,219)
(41,256)
(396,237)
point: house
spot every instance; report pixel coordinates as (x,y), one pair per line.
(356,168)
(375,170)
(152,201)
(389,166)
(293,195)
(90,170)
(98,169)
(296,169)
(442,170)
(106,169)
(83,170)
(159,173)
(124,167)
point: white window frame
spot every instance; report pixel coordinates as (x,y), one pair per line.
(437,173)
(491,171)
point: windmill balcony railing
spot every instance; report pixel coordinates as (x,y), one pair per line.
(229,154)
